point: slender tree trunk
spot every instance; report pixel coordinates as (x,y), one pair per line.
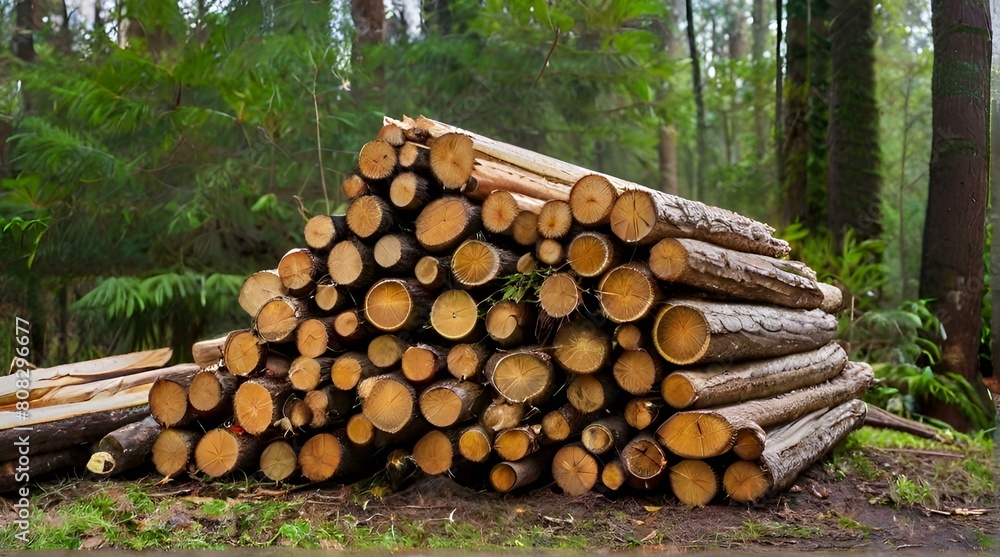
(952,258)
(795,146)
(853,171)
(22,43)
(818,111)
(779,159)
(699,101)
(995,211)
(760,33)
(668,159)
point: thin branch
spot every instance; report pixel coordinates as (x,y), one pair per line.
(555,42)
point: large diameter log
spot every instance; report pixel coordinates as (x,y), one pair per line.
(12,471)
(724,384)
(451,160)
(259,402)
(694,482)
(299,269)
(478,263)
(628,292)
(351,263)
(173,450)
(637,372)
(447,222)
(377,160)
(466,361)
(648,216)
(223,451)
(509,322)
(278,461)
(523,376)
(258,288)
(369,217)
(645,459)
(421,362)
(791,450)
(449,402)
(688,332)
(581,347)
(278,318)
(389,401)
(395,304)
(328,455)
(712,432)
(590,254)
(454,315)
(322,231)
(574,469)
(591,200)
(559,295)
(243,353)
(43,379)
(734,274)
(125,447)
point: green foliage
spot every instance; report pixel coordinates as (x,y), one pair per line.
(906,389)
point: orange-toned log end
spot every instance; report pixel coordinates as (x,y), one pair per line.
(476,263)
(430,272)
(694,483)
(522,376)
(392,134)
(614,475)
(454,315)
(320,457)
(644,458)
(633,216)
(681,334)
(448,402)
(559,295)
(525,229)
(377,160)
(590,254)
(278,319)
(220,452)
(587,393)
(641,412)
(696,435)
(369,216)
(580,346)
(312,337)
(434,453)
(409,191)
(503,477)
(465,361)
(554,219)
(637,371)
(452,157)
(388,401)
(207,392)
(243,353)
(500,209)
(297,270)
(746,482)
(278,461)
(575,470)
(254,407)
(351,263)
(508,476)
(475,443)
(749,443)
(173,450)
(168,402)
(627,292)
(668,259)
(353,185)
(445,223)
(328,296)
(592,199)
(393,304)
(360,430)
(677,391)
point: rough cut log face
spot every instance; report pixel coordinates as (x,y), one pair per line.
(377,160)
(349,326)
(258,288)
(477,263)
(500,208)
(694,482)
(258,403)
(397,253)
(628,292)
(641,412)
(421,362)
(561,423)
(451,160)
(314,337)
(392,134)
(522,376)
(580,346)
(591,200)
(449,402)
(414,156)
(644,458)
(637,372)
(278,318)
(525,229)
(631,336)
(431,272)
(386,351)
(353,185)
(590,393)
(305,373)
(168,402)
(723,384)
(574,469)
(500,415)
(559,295)
(396,304)
(409,191)
(125,447)
(550,252)
(692,331)
(360,430)
(475,443)
(454,315)
(590,254)
(351,263)
(278,461)
(517,442)
(389,401)
(211,391)
(605,434)
(434,453)
(509,476)
(445,223)
(298,270)
(466,361)
(508,322)
(320,456)
(329,297)
(555,219)
(349,369)
(221,451)
(173,450)
(369,216)
(243,353)
(322,231)
(614,475)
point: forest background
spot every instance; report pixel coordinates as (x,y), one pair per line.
(154,154)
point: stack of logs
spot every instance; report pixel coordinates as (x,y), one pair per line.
(505,317)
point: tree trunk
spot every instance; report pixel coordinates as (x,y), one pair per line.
(853,175)
(22,43)
(725,384)
(951,268)
(708,433)
(699,103)
(779,93)
(510,476)
(735,274)
(795,146)
(818,116)
(791,450)
(667,152)
(688,332)
(760,83)
(125,447)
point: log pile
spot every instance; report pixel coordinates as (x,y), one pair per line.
(513,320)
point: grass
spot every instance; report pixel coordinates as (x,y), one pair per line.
(753,530)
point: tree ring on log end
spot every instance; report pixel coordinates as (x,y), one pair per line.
(681,334)
(388,305)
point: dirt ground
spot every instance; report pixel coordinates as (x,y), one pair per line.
(861,497)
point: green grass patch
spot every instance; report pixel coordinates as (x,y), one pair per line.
(753,530)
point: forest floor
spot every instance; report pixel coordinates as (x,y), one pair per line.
(879,490)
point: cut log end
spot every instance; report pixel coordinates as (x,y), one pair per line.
(694,482)
(637,372)
(220,452)
(627,292)
(395,304)
(278,318)
(525,228)
(475,444)
(745,481)
(590,254)
(434,453)
(644,458)
(278,461)
(681,334)
(243,353)
(173,450)
(349,369)
(466,361)
(254,407)
(351,263)
(168,402)
(633,216)
(500,209)
(454,315)
(476,263)
(592,199)
(207,391)
(320,457)
(521,377)
(430,272)
(575,470)
(554,219)
(445,223)
(677,391)
(389,403)
(696,435)
(581,347)
(377,160)
(409,191)
(369,216)
(668,259)
(451,159)
(559,295)
(353,186)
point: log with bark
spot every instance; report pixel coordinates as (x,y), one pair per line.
(125,447)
